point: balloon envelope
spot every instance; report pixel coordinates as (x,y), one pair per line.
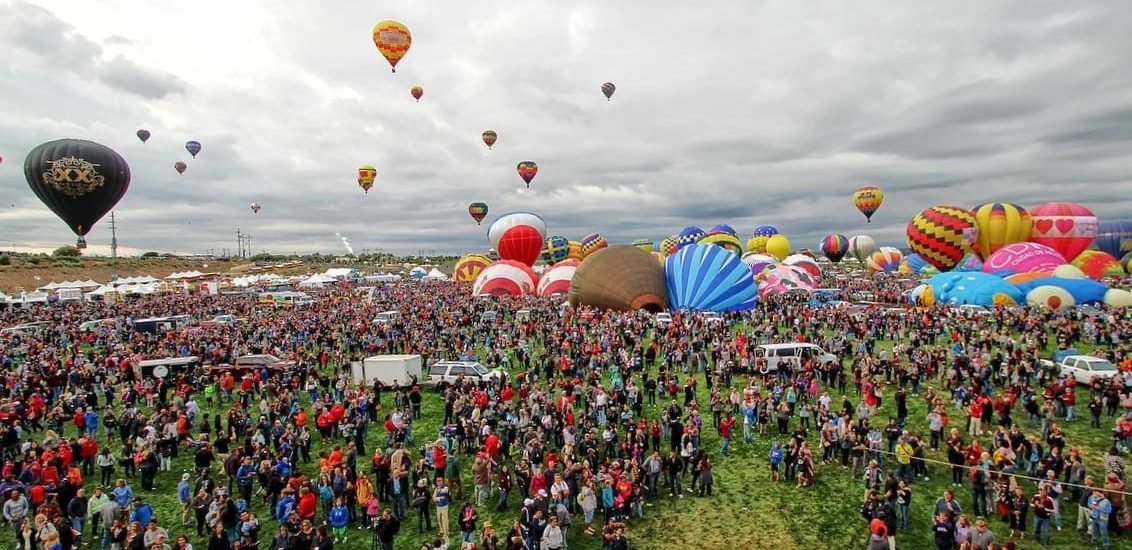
(999,225)
(834,247)
(861,247)
(79,180)
(527,170)
(620,277)
(868,200)
(942,235)
(143,135)
(393,40)
(1114,237)
(416,92)
(709,278)
(468,268)
(1023,258)
(556,249)
(505,278)
(607,89)
(489,137)
(1066,227)
(180,167)
(778,246)
(478,211)
(193,147)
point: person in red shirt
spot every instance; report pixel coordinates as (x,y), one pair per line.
(491,445)
(308,504)
(439,458)
(725,427)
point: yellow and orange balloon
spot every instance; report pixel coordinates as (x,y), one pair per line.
(868,201)
(392,39)
(366,175)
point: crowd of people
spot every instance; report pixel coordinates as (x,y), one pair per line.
(602,415)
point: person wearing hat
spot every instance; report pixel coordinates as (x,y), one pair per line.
(185,495)
(420,502)
(488,539)
(441,497)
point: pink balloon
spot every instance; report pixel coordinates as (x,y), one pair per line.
(1023,258)
(1066,227)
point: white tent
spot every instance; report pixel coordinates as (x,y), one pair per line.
(184,275)
(49,286)
(77,284)
(102,291)
(340,272)
(317,280)
(435,275)
(418,272)
(142,280)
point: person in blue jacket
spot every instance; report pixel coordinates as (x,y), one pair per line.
(339,517)
(285,506)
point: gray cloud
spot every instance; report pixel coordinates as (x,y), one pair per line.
(750,113)
(132,78)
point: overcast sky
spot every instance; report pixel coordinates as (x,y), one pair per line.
(746,113)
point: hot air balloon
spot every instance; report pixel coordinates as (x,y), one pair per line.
(518,236)
(861,247)
(1114,237)
(999,225)
(392,40)
(758,262)
(805,262)
(868,201)
(757,244)
(1097,264)
(1023,258)
(834,247)
(644,244)
(255,208)
(778,246)
(193,147)
(709,278)
(143,135)
(669,244)
(478,211)
(527,170)
(592,243)
(489,137)
(79,180)
(782,278)
(620,277)
(1066,227)
(180,167)
(766,231)
(688,235)
(721,238)
(608,88)
(556,280)
(506,278)
(417,92)
(468,268)
(574,251)
(887,260)
(366,175)
(942,235)
(556,249)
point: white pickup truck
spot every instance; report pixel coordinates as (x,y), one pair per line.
(1083,368)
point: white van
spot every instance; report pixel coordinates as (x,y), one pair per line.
(792,355)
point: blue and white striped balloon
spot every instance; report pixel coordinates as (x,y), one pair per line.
(709,278)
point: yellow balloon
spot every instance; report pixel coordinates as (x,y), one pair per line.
(757,244)
(778,246)
(392,39)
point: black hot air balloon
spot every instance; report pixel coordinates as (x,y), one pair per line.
(143,135)
(79,180)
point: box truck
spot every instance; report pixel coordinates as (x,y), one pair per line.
(402,369)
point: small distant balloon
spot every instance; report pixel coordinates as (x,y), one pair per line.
(180,167)
(478,211)
(366,175)
(489,137)
(608,88)
(193,147)
(417,92)
(255,208)
(143,135)
(393,40)
(527,170)
(868,201)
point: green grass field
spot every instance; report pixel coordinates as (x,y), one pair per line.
(747,510)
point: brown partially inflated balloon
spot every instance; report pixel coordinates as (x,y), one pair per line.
(621,277)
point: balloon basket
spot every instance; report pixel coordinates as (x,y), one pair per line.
(80,244)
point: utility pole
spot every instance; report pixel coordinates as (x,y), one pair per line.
(113,248)
(239,243)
